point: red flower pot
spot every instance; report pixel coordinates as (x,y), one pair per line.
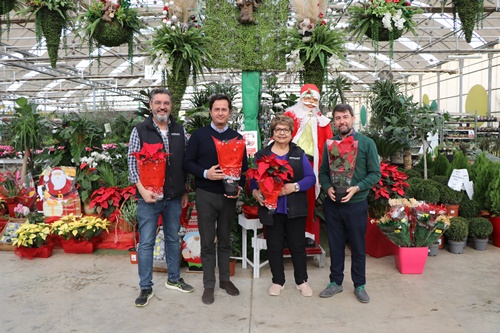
(496,230)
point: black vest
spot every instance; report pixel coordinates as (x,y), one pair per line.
(174,185)
(296,201)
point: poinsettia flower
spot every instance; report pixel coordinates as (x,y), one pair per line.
(150,152)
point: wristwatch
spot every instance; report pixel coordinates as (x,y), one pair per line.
(297,187)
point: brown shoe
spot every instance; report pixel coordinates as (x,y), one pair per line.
(208,296)
(229,287)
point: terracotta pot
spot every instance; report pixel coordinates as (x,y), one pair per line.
(232,267)
(452,210)
(133,255)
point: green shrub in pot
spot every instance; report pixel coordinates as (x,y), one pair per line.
(458,230)
(468,208)
(480,228)
(449,196)
(423,190)
(440,179)
(414,173)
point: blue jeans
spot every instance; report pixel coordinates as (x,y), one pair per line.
(147,215)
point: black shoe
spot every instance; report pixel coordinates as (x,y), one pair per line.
(208,296)
(144,297)
(229,287)
(179,285)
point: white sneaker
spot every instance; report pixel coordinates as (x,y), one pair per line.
(275,289)
(305,290)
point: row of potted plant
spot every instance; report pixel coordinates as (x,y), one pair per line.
(78,234)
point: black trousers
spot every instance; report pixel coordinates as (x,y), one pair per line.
(290,233)
(347,221)
(215,218)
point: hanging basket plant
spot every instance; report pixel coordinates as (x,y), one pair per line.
(381,21)
(470,13)
(178,50)
(6,6)
(313,42)
(51,18)
(112,34)
(111,24)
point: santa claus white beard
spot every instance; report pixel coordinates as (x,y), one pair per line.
(310,104)
(194,246)
(58,181)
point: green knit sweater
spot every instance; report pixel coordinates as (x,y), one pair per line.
(366,173)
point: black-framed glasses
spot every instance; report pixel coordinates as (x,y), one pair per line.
(282,130)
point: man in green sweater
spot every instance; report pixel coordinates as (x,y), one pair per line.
(346,219)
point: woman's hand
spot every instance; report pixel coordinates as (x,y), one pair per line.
(287,189)
(258,196)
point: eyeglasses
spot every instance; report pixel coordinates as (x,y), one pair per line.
(282,130)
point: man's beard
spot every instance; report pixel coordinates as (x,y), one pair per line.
(345,132)
(161,119)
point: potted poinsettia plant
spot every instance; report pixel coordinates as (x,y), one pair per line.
(382,20)
(391,185)
(108,200)
(270,173)
(80,234)
(152,163)
(31,240)
(230,157)
(342,161)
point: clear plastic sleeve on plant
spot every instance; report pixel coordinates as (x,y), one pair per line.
(342,160)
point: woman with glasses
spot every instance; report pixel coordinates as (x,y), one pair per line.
(285,227)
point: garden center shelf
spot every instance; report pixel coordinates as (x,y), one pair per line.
(469,127)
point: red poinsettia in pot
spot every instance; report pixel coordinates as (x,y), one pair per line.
(270,173)
(152,163)
(230,156)
(342,160)
(108,200)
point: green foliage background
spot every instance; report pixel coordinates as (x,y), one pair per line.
(247,46)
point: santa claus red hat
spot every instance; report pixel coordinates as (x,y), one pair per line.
(309,89)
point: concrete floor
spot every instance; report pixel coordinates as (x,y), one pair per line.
(96,293)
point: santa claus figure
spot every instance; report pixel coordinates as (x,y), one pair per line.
(58,191)
(191,250)
(311,130)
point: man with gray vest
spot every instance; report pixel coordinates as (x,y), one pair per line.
(160,127)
